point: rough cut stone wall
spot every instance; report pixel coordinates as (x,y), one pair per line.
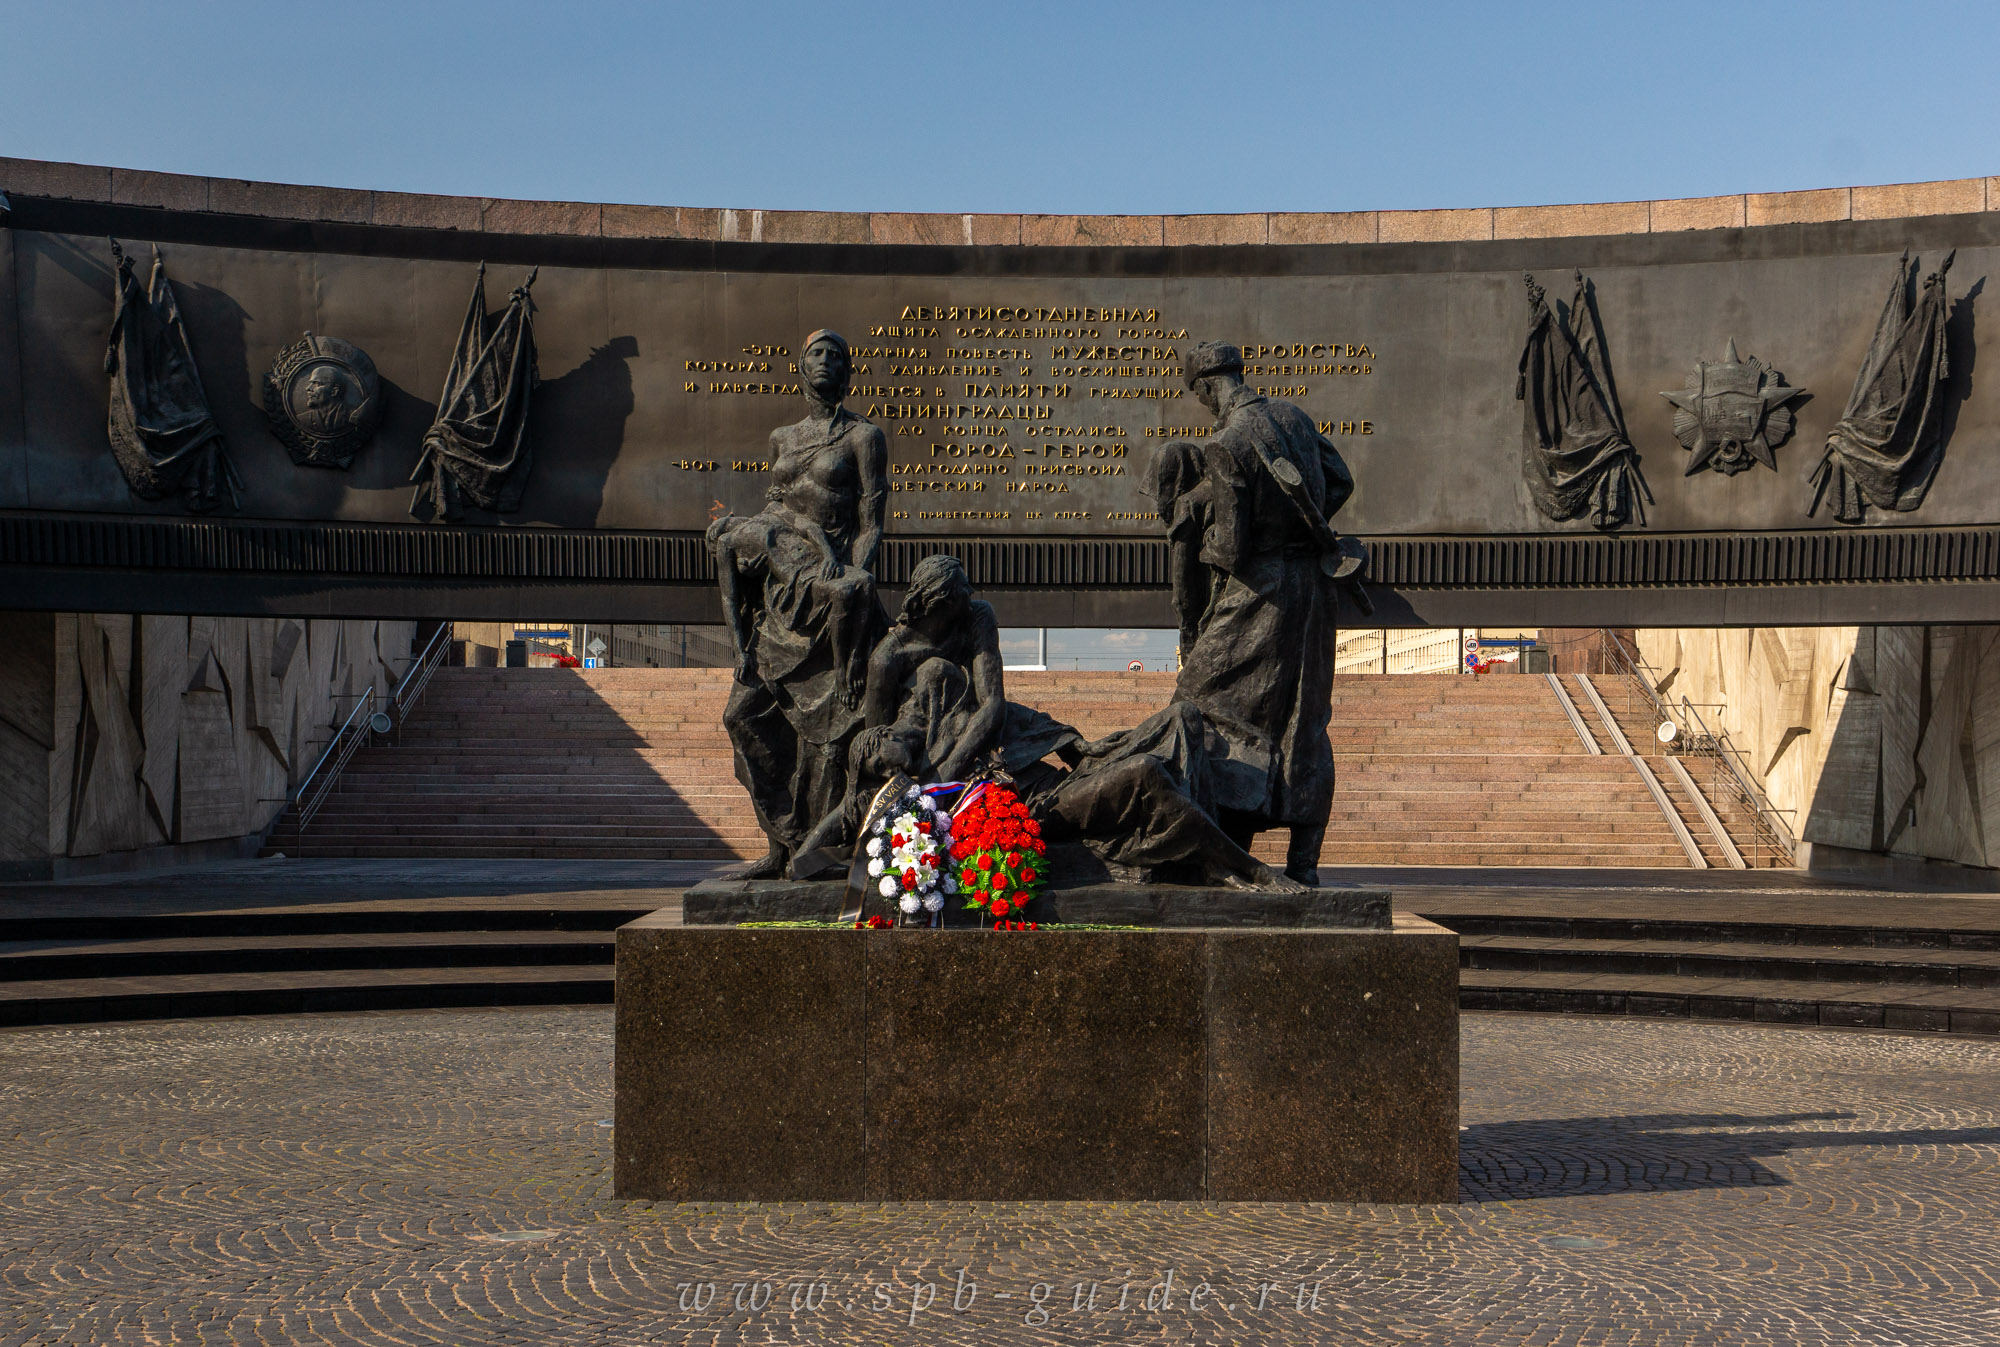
(1881,739)
(129,733)
(27,701)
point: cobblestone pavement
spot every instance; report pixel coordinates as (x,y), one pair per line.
(436,1177)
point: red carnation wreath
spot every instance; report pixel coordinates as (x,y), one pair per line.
(1000,853)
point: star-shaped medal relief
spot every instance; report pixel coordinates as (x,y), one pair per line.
(1733,413)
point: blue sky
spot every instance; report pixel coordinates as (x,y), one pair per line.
(1164,107)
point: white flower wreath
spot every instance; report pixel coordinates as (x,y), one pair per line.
(908,854)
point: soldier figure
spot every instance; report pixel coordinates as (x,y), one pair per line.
(1260,664)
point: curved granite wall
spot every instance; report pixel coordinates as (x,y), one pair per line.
(1025,369)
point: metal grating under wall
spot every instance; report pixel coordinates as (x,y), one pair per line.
(554,555)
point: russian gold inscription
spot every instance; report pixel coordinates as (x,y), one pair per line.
(1036,400)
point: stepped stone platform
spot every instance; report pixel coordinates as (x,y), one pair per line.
(288,936)
(253,937)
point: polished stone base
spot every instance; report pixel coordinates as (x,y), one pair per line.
(723,902)
(1167,1064)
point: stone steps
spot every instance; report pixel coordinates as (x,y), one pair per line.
(58,960)
(1695,958)
(634,763)
(1815,969)
(87,1000)
(320,945)
(1716,948)
(1853,1005)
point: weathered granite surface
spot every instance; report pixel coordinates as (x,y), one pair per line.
(1147,1065)
(721,902)
(1333,1066)
(739,1064)
(1048,1065)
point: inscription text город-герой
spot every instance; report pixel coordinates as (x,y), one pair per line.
(1015,404)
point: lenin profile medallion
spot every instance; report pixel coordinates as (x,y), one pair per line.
(324,400)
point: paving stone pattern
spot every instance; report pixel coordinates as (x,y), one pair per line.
(443,1177)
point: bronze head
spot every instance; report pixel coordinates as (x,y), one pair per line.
(1210,370)
(938,584)
(825,367)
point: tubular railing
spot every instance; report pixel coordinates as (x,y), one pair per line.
(325,775)
(1729,780)
(358,729)
(419,677)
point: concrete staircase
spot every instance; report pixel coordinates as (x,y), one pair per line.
(1854,959)
(296,936)
(633,764)
(1443,769)
(612,764)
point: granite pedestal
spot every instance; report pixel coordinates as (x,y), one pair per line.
(1244,1064)
(725,902)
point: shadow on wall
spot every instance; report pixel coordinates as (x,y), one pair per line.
(578,425)
(1960,341)
(556,764)
(386,462)
(1911,761)
(1658,1153)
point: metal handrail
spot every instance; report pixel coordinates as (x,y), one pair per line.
(1769,829)
(357,730)
(320,781)
(419,675)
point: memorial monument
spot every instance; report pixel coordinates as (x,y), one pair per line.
(1018,398)
(1242,748)
(1156,1001)
(1021,372)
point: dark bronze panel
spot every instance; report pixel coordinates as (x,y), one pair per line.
(662,383)
(13,449)
(630,460)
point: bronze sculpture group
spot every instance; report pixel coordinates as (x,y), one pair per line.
(830,699)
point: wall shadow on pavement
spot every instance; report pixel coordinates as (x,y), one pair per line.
(1658,1152)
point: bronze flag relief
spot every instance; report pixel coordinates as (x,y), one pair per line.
(1889,442)
(162,430)
(1577,456)
(478,448)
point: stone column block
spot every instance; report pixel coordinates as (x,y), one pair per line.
(1245,1064)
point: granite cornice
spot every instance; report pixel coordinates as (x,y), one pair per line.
(496,215)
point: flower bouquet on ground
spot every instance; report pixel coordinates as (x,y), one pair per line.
(999,852)
(906,846)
